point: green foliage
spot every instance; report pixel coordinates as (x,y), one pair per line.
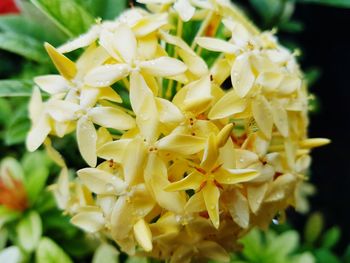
(335,3)
(29,231)
(49,252)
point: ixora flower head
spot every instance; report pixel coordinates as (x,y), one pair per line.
(190,141)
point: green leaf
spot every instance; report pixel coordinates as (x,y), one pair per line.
(15,88)
(335,3)
(35,181)
(7,215)
(25,46)
(268,9)
(18,127)
(292,26)
(136,260)
(283,244)
(331,237)
(3,238)
(325,256)
(69,16)
(346,256)
(49,252)
(5,109)
(106,9)
(106,253)
(313,228)
(11,255)
(253,247)
(29,231)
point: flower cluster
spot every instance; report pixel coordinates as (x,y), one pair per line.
(185,153)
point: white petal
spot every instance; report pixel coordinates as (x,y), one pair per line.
(143,235)
(61,110)
(217,45)
(90,221)
(242,77)
(52,84)
(262,113)
(101,182)
(149,24)
(106,75)
(113,150)
(82,41)
(38,133)
(35,107)
(163,67)
(87,138)
(168,112)
(228,105)
(111,118)
(196,65)
(280,117)
(184,9)
(125,42)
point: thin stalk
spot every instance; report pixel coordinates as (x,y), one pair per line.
(202,28)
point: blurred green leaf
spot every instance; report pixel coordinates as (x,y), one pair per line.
(106,9)
(18,126)
(69,16)
(325,256)
(268,9)
(7,215)
(335,3)
(29,231)
(292,26)
(5,109)
(313,228)
(35,181)
(49,252)
(15,88)
(283,244)
(330,238)
(106,253)
(252,246)
(23,45)
(346,257)
(136,260)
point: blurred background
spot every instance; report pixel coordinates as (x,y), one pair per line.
(318,28)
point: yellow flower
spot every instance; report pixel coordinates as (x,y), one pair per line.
(204,151)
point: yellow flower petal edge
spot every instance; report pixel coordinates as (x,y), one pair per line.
(180,163)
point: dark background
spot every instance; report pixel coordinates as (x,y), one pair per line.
(326,44)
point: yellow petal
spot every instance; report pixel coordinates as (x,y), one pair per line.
(122,218)
(106,75)
(262,113)
(214,251)
(89,221)
(217,45)
(211,195)
(269,80)
(107,93)
(210,154)
(280,118)
(228,105)
(101,182)
(282,187)
(113,150)
(163,67)
(54,154)
(133,161)
(224,135)
(111,118)
(64,65)
(147,46)
(144,105)
(168,112)
(156,178)
(235,176)
(313,142)
(239,209)
(86,138)
(143,235)
(245,158)
(149,24)
(220,71)
(289,84)
(196,203)
(191,181)
(256,194)
(196,65)
(182,144)
(242,77)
